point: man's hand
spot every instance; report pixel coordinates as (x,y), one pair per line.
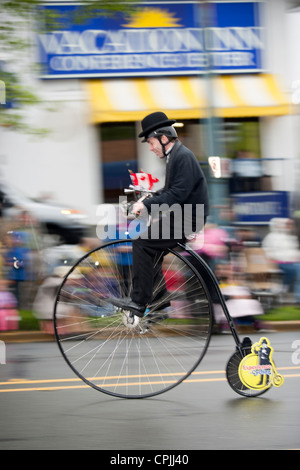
(138,208)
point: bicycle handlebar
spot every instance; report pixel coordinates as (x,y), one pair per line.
(136,189)
(126,207)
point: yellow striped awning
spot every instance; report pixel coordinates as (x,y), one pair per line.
(117,100)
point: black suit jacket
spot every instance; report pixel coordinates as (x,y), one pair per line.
(185,185)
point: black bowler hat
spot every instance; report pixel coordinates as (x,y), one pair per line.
(153,122)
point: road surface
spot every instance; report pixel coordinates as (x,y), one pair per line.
(44,406)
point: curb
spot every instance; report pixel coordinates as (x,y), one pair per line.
(41,336)
(281,325)
(26,337)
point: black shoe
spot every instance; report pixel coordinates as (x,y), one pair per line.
(128,304)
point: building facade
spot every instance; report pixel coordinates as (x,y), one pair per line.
(221,69)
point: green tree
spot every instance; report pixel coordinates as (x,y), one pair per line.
(19,21)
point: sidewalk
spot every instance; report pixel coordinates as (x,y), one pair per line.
(41,336)
(25,336)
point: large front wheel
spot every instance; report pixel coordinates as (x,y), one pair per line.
(124,356)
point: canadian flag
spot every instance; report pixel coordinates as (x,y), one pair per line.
(143,180)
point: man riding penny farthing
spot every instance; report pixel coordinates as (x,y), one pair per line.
(186,187)
(133,317)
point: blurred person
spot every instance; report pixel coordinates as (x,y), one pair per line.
(58,255)
(15,255)
(281,246)
(211,245)
(44,301)
(28,229)
(9,315)
(185,184)
(28,224)
(241,304)
(247,236)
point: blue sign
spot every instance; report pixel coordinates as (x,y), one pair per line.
(259,208)
(156,39)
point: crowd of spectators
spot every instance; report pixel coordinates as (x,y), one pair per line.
(27,263)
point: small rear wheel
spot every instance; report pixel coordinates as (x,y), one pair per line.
(233,377)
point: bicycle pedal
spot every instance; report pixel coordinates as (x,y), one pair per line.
(129,319)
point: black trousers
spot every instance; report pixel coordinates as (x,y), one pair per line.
(147,258)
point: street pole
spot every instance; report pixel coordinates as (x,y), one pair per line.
(218,187)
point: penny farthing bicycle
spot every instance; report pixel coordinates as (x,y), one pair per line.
(131,357)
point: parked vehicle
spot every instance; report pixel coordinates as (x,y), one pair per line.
(66,222)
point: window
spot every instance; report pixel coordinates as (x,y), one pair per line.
(119,155)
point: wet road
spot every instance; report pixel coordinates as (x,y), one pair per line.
(44,406)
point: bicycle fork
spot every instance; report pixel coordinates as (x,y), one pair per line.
(246,343)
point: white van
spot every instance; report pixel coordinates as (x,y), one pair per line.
(66,222)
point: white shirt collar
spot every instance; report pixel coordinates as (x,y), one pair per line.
(169,151)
